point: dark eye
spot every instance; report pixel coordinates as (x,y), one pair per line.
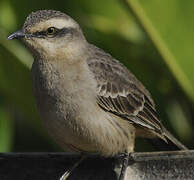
(51,31)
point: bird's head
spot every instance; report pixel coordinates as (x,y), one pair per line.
(51,33)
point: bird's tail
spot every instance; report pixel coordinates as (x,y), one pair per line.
(170,143)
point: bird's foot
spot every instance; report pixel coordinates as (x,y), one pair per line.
(124,166)
(68,172)
(65,175)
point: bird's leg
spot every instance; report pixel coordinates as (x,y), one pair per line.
(124,166)
(69,171)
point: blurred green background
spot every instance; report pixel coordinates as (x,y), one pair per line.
(153,38)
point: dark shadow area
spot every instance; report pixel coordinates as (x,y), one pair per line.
(173,165)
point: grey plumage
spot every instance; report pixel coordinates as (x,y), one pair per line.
(42,15)
(88,100)
(121,93)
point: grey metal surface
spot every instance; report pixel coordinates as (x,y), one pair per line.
(142,166)
(162,165)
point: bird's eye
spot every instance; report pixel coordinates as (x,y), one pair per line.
(51,31)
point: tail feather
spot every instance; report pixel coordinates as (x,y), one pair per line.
(172,140)
(169,144)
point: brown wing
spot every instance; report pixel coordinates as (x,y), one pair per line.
(119,92)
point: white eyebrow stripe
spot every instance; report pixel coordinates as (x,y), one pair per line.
(54,22)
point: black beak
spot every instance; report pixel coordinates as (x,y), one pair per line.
(16,35)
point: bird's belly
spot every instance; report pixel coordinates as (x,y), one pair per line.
(67,135)
(98,132)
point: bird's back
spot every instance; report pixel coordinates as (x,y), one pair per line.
(121,93)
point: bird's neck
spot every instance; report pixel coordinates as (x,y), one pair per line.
(71,52)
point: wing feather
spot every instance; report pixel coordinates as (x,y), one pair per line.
(120,93)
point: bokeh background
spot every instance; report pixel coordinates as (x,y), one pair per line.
(153,38)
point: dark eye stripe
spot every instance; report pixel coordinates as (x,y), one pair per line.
(43,34)
(40,34)
(64,31)
(58,33)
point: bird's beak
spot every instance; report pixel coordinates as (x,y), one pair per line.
(16,35)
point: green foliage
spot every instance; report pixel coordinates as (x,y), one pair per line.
(110,25)
(6,130)
(169,25)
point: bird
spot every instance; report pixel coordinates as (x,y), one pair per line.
(88,100)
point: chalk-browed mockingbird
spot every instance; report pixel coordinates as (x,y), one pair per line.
(88,100)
